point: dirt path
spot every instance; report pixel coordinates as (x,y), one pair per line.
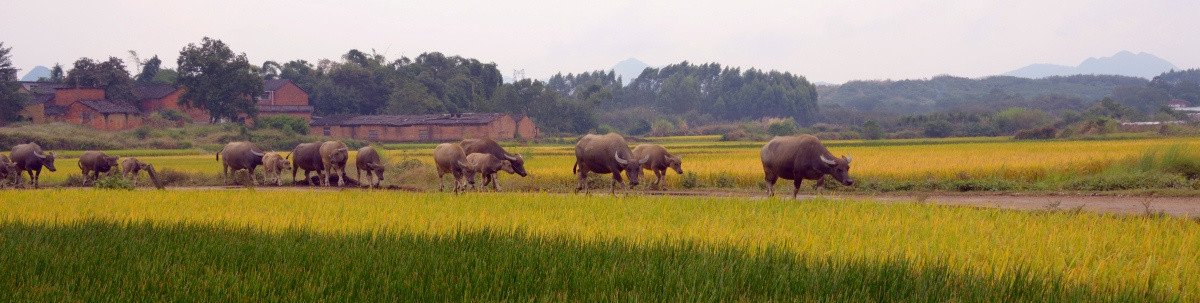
(1136,205)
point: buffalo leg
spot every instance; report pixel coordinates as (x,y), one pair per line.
(661,174)
(582,178)
(770,178)
(796,186)
(820,185)
(495,183)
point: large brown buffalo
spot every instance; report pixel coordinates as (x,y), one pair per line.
(606,154)
(334,155)
(92,163)
(660,161)
(307,157)
(487,166)
(30,159)
(489,146)
(802,158)
(450,158)
(131,166)
(239,156)
(368,160)
(273,167)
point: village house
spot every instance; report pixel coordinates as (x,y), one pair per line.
(425,128)
(51,102)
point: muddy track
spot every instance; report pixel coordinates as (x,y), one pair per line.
(1133,205)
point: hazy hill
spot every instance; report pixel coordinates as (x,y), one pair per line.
(1124,63)
(946,92)
(37,73)
(629,69)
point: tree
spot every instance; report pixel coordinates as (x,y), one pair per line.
(11,101)
(938,129)
(872,130)
(217,80)
(56,74)
(149,70)
(109,75)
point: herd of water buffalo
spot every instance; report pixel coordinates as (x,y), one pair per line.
(791,158)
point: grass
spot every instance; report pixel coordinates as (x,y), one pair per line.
(529,246)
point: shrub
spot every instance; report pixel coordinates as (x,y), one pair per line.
(724,180)
(689,180)
(786,127)
(1040,133)
(1176,159)
(114,181)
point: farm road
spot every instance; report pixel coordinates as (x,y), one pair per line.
(1135,205)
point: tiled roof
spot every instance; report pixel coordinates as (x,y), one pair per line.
(36,98)
(55,110)
(284,108)
(42,87)
(274,84)
(153,91)
(407,120)
(111,107)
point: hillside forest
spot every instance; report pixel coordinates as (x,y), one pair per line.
(686,98)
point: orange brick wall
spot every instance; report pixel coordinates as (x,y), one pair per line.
(67,96)
(35,112)
(526,128)
(290,94)
(499,129)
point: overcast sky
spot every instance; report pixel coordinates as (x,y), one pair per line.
(830,41)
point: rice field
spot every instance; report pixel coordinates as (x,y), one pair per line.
(82,244)
(1023,165)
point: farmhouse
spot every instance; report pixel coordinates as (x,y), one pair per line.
(51,102)
(425,128)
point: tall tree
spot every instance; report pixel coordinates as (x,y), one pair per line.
(57,75)
(109,75)
(218,80)
(149,70)
(11,101)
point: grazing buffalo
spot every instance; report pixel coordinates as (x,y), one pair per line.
(802,158)
(273,167)
(489,146)
(450,158)
(487,165)
(131,166)
(660,160)
(239,156)
(30,159)
(307,157)
(334,155)
(368,159)
(8,171)
(96,162)
(606,154)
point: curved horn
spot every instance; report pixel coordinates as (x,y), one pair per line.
(644,159)
(619,160)
(39,155)
(827,160)
(463,163)
(257,154)
(848,159)
(510,157)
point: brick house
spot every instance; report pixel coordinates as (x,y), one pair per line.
(424,128)
(50,102)
(282,97)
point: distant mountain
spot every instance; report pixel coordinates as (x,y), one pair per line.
(944,93)
(37,73)
(629,69)
(1124,63)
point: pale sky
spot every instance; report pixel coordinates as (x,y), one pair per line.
(828,40)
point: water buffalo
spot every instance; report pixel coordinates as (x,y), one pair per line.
(660,160)
(451,159)
(131,166)
(487,165)
(307,157)
(96,162)
(489,146)
(8,171)
(30,159)
(606,154)
(800,158)
(368,159)
(239,156)
(334,155)
(273,167)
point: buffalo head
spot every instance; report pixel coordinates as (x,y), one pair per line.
(632,168)
(839,169)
